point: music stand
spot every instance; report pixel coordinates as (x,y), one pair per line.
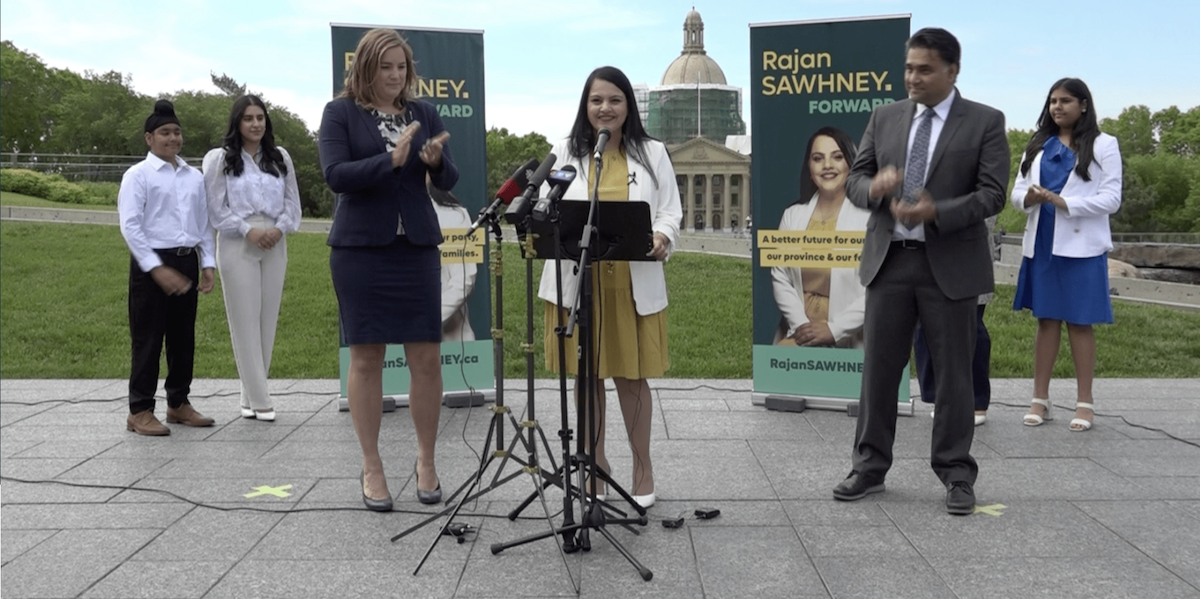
(621,238)
(573,231)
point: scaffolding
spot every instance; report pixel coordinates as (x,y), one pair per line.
(673,112)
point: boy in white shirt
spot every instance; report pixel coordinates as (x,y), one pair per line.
(164,220)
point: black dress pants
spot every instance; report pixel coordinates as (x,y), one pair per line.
(155,317)
(904,293)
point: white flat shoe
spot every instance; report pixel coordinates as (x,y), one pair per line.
(644,500)
(980,419)
(269,415)
(1079,425)
(1034,419)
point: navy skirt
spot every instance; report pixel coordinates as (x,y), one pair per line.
(388,294)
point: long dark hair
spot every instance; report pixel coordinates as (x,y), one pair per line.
(441,197)
(633,134)
(1083,134)
(844,143)
(272,159)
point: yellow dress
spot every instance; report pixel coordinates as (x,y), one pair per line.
(816,280)
(629,345)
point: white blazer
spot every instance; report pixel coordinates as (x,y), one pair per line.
(1082,230)
(458,280)
(847,296)
(649,284)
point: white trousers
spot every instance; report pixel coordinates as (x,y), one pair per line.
(252,283)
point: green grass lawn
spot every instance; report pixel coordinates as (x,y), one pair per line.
(8,198)
(64,314)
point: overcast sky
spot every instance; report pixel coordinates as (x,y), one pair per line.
(538,52)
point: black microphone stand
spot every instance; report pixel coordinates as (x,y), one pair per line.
(576,535)
(499,412)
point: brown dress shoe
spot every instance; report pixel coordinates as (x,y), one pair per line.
(144,423)
(186,414)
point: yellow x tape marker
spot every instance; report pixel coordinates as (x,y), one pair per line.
(994,509)
(265,490)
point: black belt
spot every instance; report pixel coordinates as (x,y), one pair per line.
(179,251)
(909,244)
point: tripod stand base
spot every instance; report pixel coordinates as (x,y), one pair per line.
(578,536)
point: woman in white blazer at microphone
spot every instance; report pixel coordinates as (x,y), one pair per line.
(822,306)
(1069,183)
(630,297)
(253,203)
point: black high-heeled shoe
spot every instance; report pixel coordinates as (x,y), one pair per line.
(427,497)
(375,505)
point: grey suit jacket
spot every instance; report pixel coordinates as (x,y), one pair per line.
(968,175)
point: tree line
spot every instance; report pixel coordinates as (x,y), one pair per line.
(56,111)
(46,110)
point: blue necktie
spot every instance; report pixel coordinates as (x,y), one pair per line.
(914,172)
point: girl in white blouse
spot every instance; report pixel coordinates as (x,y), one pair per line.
(253,203)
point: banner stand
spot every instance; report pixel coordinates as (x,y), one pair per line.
(904,408)
(815,85)
(450,399)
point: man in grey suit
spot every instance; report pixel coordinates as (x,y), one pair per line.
(930,169)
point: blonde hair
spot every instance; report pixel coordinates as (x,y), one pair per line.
(360,77)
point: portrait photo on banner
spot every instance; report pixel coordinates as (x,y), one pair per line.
(815,86)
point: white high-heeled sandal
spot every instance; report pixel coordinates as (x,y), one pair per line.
(1080,422)
(1034,419)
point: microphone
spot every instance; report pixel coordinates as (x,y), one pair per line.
(602,137)
(509,190)
(516,213)
(559,180)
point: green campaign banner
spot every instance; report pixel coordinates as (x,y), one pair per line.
(449,66)
(813,87)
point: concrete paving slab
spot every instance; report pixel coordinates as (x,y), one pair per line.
(14,447)
(755,562)
(332,576)
(734,512)
(204,534)
(726,469)
(91,516)
(1060,578)
(50,492)
(848,541)
(896,578)
(829,512)
(739,425)
(160,580)
(17,542)
(169,448)
(1160,530)
(38,468)
(1024,529)
(68,449)
(71,561)
(12,413)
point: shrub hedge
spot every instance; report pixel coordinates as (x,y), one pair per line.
(57,189)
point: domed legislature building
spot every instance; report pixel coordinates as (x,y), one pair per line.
(694,111)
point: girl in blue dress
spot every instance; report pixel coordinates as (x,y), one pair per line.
(1069,184)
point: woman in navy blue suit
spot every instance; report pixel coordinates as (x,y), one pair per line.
(377,144)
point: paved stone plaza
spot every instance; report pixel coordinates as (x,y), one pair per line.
(1114,512)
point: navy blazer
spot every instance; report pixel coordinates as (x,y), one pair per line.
(372,194)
